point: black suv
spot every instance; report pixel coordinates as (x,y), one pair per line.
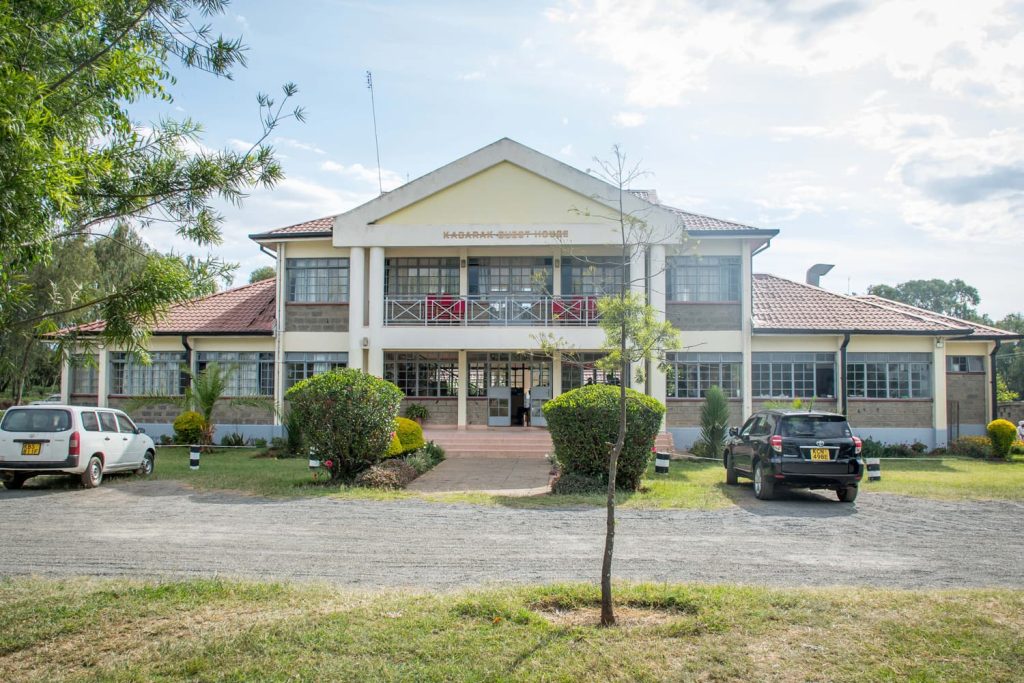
(798,448)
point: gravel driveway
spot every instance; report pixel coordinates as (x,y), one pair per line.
(161,529)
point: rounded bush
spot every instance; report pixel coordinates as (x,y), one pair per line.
(584,424)
(1002,434)
(189,428)
(971,447)
(574,484)
(395,448)
(347,417)
(410,434)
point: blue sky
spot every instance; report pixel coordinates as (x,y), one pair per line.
(883,137)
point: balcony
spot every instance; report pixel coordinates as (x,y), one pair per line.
(497,311)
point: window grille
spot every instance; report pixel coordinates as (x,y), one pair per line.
(317,280)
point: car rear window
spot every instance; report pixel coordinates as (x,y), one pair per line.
(36,420)
(109,422)
(90,422)
(815,426)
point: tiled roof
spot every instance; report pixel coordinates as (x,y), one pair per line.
(243,310)
(320,227)
(977,329)
(700,223)
(785,305)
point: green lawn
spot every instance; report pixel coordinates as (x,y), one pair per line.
(210,630)
(952,479)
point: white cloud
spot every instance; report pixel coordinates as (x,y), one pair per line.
(298,144)
(566,151)
(364,174)
(629,119)
(472,76)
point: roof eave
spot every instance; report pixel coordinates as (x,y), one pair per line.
(752,232)
(271,237)
(837,331)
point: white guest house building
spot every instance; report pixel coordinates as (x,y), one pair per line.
(445,285)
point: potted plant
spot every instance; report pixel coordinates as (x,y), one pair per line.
(417,412)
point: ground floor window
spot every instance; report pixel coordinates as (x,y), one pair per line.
(423,375)
(965,364)
(250,373)
(166,374)
(84,375)
(889,375)
(303,365)
(580,369)
(504,369)
(793,375)
(690,375)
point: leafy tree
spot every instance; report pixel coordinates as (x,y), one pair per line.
(1003,392)
(262,273)
(75,165)
(952,297)
(1010,359)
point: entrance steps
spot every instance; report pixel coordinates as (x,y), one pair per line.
(505,442)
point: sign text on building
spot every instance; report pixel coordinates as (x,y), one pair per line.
(503,234)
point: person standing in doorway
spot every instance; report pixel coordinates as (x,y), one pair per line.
(526,409)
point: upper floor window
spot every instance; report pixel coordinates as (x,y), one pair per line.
(965,364)
(249,373)
(419,277)
(510,276)
(317,280)
(793,375)
(889,375)
(703,278)
(166,375)
(690,375)
(300,365)
(83,375)
(591,275)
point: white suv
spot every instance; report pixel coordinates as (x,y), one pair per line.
(56,439)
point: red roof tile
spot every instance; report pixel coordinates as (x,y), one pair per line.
(243,310)
(977,329)
(318,227)
(785,305)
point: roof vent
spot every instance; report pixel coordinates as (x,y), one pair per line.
(647,195)
(815,272)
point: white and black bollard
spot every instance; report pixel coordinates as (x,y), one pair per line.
(661,461)
(193,457)
(874,469)
(314,461)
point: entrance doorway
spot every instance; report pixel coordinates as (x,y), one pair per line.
(508,380)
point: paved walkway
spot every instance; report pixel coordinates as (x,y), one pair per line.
(507,476)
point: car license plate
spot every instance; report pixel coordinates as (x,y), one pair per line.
(820,454)
(31,448)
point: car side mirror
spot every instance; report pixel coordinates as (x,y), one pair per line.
(734,431)
(140,430)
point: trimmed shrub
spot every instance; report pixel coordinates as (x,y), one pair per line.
(390,475)
(1017,448)
(575,484)
(189,428)
(1002,434)
(714,422)
(971,447)
(395,448)
(348,417)
(584,423)
(410,434)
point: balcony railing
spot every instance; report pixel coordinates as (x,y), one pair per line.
(498,311)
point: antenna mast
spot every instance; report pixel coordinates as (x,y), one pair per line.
(376,142)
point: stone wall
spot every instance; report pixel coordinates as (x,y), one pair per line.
(223,414)
(316,317)
(704,316)
(685,412)
(971,391)
(825,405)
(1014,412)
(476,411)
(882,413)
(443,411)
(83,399)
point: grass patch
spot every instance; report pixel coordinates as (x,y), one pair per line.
(218,630)
(951,479)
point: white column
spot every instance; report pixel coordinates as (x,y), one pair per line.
(65,381)
(463,272)
(102,377)
(279,374)
(375,359)
(356,300)
(638,285)
(746,329)
(656,297)
(939,420)
(463,405)
(556,374)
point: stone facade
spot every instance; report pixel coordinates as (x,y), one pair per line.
(825,405)
(83,399)
(970,390)
(907,413)
(686,412)
(476,411)
(1014,412)
(223,414)
(704,316)
(442,411)
(316,318)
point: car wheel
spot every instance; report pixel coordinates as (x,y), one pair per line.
(847,494)
(93,475)
(15,482)
(146,468)
(731,477)
(764,486)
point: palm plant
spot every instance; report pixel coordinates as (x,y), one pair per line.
(714,422)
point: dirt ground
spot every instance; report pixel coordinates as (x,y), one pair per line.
(162,529)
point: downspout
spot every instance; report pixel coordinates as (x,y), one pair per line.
(188,356)
(843,396)
(992,367)
(266,251)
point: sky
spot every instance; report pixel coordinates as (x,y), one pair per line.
(886,138)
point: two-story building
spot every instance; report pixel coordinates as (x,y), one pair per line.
(447,285)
